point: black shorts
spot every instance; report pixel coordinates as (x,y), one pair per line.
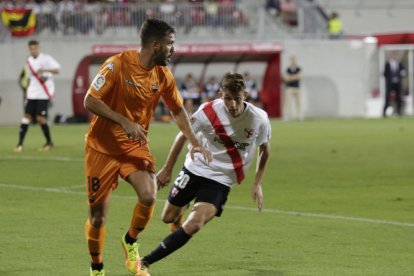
(188,186)
(36,107)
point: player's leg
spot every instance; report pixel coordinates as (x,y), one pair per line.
(386,102)
(181,194)
(144,185)
(137,168)
(173,215)
(296,93)
(173,226)
(288,107)
(24,126)
(41,118)
(201,213)
(399,98)
(95,230)
(29,109)
(210,198)
(101,178)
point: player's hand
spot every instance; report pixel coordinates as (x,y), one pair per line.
(257,195)
(205,152)
(135,132)
(163,177)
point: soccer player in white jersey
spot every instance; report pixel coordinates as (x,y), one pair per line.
(40,68)
(231,129)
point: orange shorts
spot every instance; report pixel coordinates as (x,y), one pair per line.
(102,170)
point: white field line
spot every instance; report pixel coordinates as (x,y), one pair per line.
(273,211)
(72,187)
(42,158)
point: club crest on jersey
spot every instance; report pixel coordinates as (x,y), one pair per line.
(249,132)
(98,82)
(110,66)
(174,192)
(154,88)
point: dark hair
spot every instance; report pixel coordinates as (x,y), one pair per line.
(154,29)
(33,42)
(233,82)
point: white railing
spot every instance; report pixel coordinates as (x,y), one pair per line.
(366,4)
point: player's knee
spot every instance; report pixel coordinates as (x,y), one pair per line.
(41,120)
(168,218)
(98,221)
(193,226)
(147,199)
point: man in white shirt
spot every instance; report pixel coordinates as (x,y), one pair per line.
(231,129)
(40,68)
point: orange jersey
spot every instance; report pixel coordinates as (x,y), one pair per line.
(133,91)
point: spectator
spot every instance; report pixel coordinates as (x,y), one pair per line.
(138,16)
(100,17)
(66,10)
(167,11)
(226,12)
(82,17)
(292,81)
(253,96)
(184,16)
(335,29)
(393,73)
(273,7)
(288,12)
(46,16)
(210,91)
(212,9)
(191,94)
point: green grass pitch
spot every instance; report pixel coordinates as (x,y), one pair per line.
(339,200)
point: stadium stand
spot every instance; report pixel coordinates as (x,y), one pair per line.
(202,19)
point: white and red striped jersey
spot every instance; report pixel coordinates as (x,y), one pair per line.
(231,140)
(36,91)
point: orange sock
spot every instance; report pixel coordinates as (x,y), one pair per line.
(177,224)
(95,238)
(142,215)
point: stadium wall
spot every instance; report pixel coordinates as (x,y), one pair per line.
(338,76)
(370,21)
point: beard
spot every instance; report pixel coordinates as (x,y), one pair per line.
(161,59)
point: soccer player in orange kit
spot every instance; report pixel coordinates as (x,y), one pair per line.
(122,98)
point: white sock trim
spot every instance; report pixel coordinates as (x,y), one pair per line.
(25,121)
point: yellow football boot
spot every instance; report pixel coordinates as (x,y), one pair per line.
(132,259)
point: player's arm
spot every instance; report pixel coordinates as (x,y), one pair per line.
(133,130)
(53,71)
(164,175)
(181,117)
(52,67)
(262,157)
